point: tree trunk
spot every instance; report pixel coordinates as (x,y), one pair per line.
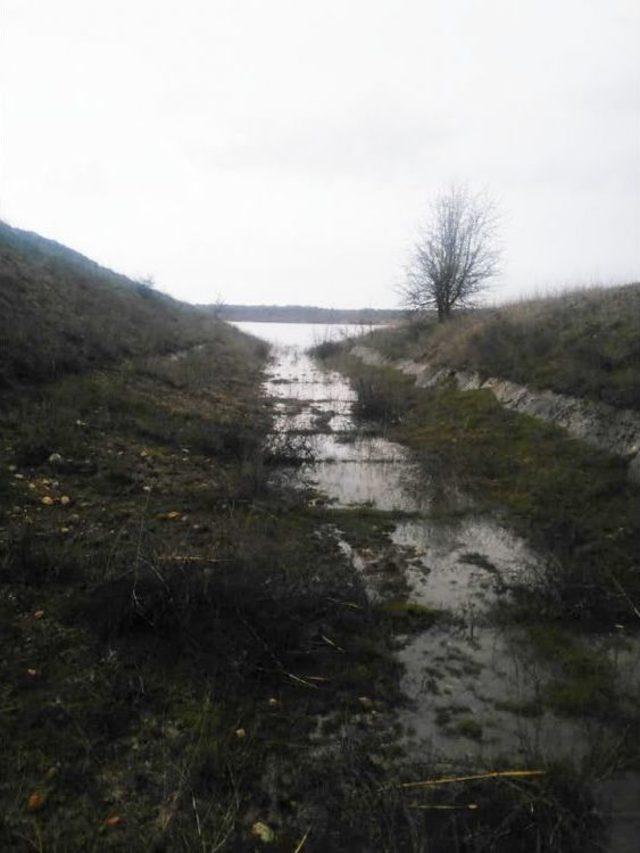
(444,312)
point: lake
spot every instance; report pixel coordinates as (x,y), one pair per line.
(303,335)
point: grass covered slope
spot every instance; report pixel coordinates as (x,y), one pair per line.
(585,343)
(62,313)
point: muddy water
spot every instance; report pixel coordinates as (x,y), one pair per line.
(472,688)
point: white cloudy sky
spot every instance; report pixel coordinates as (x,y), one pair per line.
(284,150)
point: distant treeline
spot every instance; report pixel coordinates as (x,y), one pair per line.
(304,314)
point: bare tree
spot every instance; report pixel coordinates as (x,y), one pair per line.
(456,254)
(217,309)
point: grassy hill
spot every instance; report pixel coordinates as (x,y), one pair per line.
(162,593)
(585,343)
(63,313)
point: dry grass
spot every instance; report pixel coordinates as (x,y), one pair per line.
(585,343)
(61,313)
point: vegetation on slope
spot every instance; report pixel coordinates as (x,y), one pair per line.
(62,313)
(583,343)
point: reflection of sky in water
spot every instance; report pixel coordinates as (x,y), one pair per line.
(459,560)
(360,482)
(301,335)
(454,676)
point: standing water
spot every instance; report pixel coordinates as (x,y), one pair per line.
(475,691)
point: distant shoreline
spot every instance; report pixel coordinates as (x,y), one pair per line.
(304,314)
(309,322)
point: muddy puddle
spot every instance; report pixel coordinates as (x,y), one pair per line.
(474,690)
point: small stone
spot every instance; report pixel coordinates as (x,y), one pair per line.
(47,500)
(65,500)
(19,476)
(273,702)
(55,458)
(113,820)
(240,733)
(146,488)
(38,614)
(35,801)
(65,530)
(32,673)
(264,832)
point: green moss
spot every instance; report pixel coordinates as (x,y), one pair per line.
(445,714)
(470,728)
(408,616)
(524,708)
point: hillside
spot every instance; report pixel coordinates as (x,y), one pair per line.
(585,343)
(61,312)
(193,658)
(163,592)
(304,314)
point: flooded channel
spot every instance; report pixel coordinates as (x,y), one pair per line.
(474,690)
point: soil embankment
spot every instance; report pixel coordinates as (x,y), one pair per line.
(616,431)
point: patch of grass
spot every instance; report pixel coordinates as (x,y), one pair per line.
(409,616)
(526,708)
(361,525)
(445,714)
(469,727)
(326,349)
(381,397)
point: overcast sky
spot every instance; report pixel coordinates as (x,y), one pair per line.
(283,151)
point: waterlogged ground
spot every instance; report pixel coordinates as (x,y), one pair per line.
(478,691)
